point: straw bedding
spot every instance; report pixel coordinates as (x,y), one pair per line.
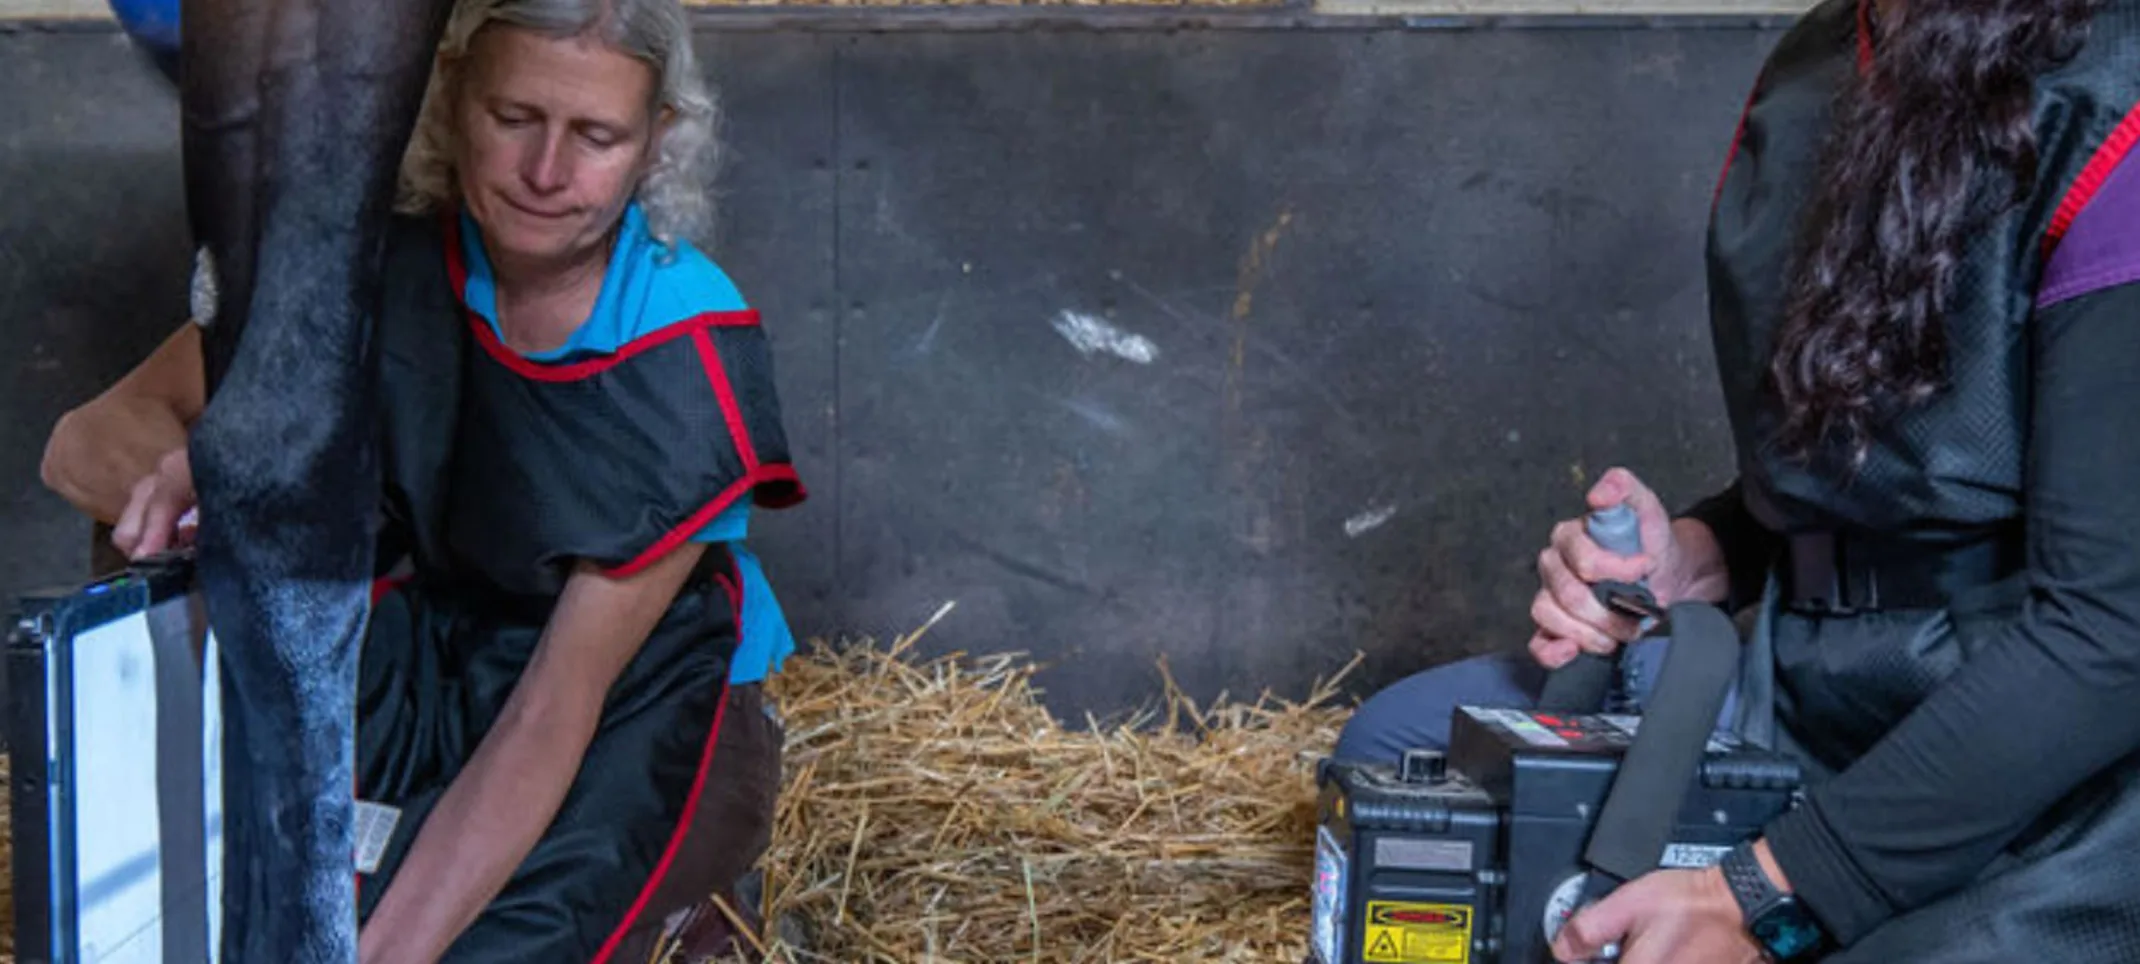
(935,811)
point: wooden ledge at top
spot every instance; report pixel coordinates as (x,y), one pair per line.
(1566,8)
(55,10)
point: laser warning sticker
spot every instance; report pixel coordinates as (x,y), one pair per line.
(1401,932)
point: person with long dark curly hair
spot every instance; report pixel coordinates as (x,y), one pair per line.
(1923,258)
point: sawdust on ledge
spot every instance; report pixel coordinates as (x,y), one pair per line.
(992,4)
(935,811)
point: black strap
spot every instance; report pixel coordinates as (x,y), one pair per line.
(1635,823)
(1838,573)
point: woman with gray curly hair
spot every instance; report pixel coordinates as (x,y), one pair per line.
(563,750)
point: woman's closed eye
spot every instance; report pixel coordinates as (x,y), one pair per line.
(513,118)
(602,135)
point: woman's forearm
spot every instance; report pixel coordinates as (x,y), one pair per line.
(482,828)
(1705,572)
(1735,549)
(98,452)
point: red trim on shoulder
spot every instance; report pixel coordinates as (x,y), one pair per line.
(553,372)
(1737,135)
(763,474)
(1865,35)
(683,820)
(2091,178)
(717,373)
(457,270)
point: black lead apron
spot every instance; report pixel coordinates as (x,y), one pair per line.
(501,475)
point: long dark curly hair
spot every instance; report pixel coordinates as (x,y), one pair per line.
(1922,144)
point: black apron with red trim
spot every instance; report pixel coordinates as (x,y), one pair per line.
(506,470)
(1949,473)
(501,474)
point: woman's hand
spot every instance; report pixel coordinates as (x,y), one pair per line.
(1679,560)
(158,513)
(1662,917)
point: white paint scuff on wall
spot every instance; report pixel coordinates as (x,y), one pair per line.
(1369,520)
(1090,335)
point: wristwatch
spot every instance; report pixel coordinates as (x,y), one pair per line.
(1782,928)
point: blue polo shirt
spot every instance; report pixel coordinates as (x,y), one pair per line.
(646,289)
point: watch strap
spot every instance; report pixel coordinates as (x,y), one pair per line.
(1778,923)
(1749,883)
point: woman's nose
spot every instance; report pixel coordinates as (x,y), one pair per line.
(548,167)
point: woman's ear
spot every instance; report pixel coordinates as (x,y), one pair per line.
(664,121)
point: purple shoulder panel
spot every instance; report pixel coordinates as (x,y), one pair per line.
(2102,248)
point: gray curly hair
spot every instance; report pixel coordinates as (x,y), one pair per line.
(677,192)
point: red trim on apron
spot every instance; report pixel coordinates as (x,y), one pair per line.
(683,821)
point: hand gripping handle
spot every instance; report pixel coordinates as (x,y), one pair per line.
(1582,685)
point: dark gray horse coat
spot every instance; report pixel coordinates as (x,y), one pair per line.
(296,114)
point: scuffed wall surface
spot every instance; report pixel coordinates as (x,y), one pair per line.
(1246,348)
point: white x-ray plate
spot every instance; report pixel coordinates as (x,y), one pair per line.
(115,737)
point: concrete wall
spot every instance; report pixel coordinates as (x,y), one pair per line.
(1383,300)
(101,9)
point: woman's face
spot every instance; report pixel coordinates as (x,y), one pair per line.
(554,137)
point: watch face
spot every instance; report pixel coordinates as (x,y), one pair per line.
(1787,931)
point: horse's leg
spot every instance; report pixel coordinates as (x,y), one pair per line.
(296,114)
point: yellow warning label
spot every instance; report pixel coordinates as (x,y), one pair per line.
(1400,932)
